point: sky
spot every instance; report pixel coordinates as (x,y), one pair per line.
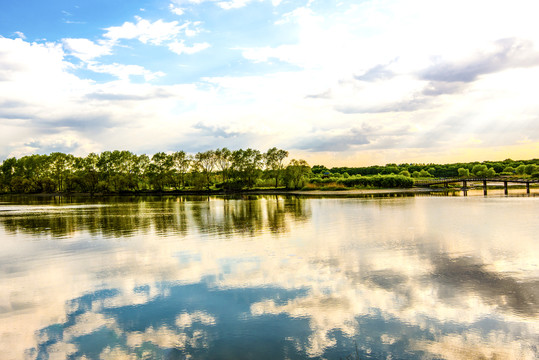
(338,83)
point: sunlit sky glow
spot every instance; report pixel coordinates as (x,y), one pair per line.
(334,82)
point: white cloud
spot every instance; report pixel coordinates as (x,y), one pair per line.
(85,49)
(369,59)
(179,47)
(191,28)
(175,9)
(234,4)
(123,72)
(226,5)
(145,31)
(294,15)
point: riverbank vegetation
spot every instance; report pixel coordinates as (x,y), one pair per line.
(222,170)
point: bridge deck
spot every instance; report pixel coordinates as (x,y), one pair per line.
(455,180)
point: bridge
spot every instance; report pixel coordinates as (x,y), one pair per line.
(465,181)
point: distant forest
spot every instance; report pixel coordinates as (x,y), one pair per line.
(221,169)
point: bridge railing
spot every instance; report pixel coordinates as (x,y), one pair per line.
(438,181)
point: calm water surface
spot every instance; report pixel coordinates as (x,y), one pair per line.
(270,277)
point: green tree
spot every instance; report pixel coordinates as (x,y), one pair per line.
(530,169)
(60,166)
(390,169)
(490,173)
(159,170)
(274,161)
(206,162)
(479,170)
(319,169)
(405,173)
(181,163)
(89,173)
(247,166)
(483,171)
(8,169)
(520,170)
(296,173)
(463,172)
(224,162)
(424,173)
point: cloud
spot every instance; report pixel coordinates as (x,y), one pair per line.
(18,58)
(226,5)
(234,4)
(85,49)
(345,63)
(378,72)
(504,54)
(179,47)
(410,105)
(153,93)
(215,131)
(73,137)
(191,28)
(323,95)
(331,142)
(436,88)
(65,144)
(20,34)
(295,15)
(145,31)
(175,9)
(123,72)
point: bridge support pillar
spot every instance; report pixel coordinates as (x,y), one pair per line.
(484,187)
(527,188)
(465,187)
(505,188)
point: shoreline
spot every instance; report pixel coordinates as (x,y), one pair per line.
(282,191)
(244,192)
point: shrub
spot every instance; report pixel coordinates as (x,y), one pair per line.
(463,172)
(405,173)
(383,181)
(333,187)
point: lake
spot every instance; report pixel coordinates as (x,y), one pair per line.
(270,277)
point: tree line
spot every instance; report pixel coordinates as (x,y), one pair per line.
(507,167)
(222,169)
(124,171)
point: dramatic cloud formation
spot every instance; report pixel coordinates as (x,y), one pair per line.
(278,73)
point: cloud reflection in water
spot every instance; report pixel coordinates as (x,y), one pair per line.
(271,277)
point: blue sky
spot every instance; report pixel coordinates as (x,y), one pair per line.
(333,82)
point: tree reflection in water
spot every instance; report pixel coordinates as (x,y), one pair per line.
(121,217)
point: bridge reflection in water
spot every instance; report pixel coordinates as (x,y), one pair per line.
(485,181)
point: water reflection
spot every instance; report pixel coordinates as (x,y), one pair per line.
(270,277)
(168,216)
